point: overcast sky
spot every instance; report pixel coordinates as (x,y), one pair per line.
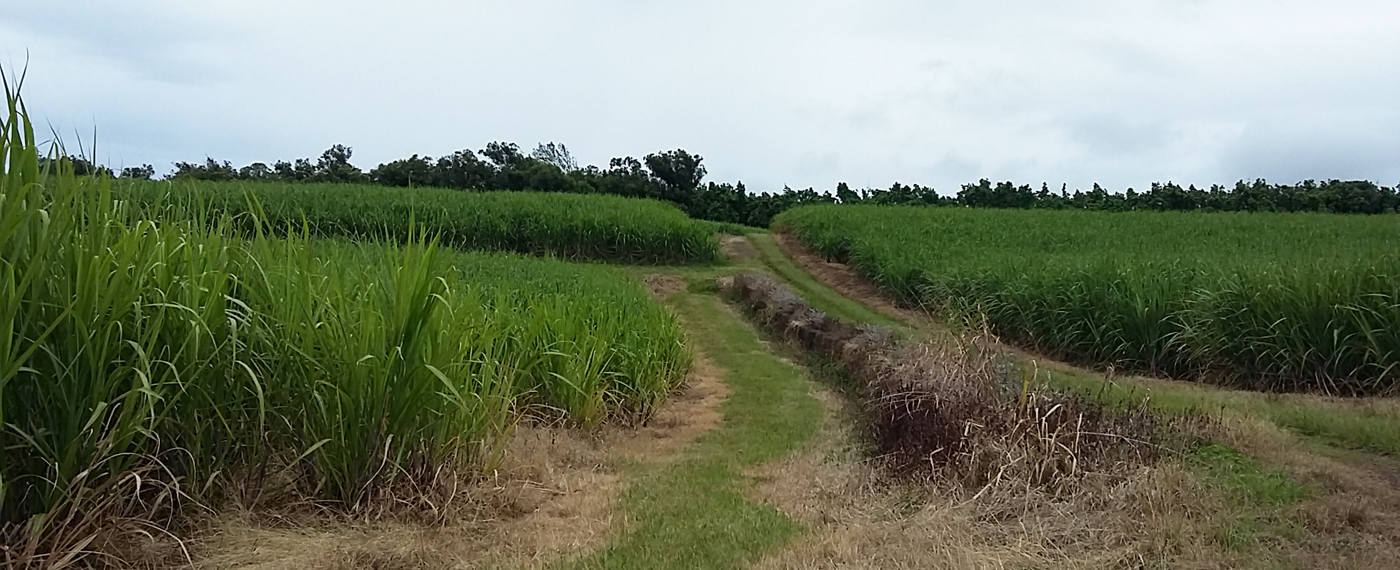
(769,92)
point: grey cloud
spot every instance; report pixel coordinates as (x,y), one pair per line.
(773,93)
(954,167)
(1289,155)
(154,43)
(1111,136)
(820,165)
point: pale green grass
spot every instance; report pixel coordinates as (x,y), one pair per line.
(1368,424)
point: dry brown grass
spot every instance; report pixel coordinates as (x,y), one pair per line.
(1162,515)
(948,409)
(861,518)
(1352,515)
(663,285)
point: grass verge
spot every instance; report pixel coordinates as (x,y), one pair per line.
(1367,424)
(694,513)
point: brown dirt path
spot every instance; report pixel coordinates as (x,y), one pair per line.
(737,248)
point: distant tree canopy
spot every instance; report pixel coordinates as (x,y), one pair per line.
(556,155)
(76,164)
(678,176)
(1336,196)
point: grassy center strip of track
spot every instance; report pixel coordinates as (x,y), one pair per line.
(816,294)
(693,512)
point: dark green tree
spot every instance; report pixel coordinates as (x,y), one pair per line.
(680,174)
(143,172)
(256,171)
(502,154)
(412,171)
(845,194)
(211,170)
(334,166)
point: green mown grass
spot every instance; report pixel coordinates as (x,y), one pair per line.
(694,513)
(1335,423)
(1249,480)
(1266,301)
(1256,493)
(732,228)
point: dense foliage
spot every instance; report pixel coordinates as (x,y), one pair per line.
(151,358)
(570,226)
(1268,301)
(1334,196)
(678,177)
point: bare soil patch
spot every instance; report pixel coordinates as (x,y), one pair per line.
(554,495)
(663,285)
(737,248)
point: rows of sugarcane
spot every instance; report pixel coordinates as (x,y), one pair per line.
(571,226)
(1289,302)
(201,353)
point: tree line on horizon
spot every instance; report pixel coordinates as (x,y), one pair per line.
(678,177)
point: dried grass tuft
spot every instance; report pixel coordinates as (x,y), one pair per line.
(953,410)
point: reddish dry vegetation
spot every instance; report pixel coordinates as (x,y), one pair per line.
(952,410)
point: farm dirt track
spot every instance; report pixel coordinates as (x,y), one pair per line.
(737,248)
